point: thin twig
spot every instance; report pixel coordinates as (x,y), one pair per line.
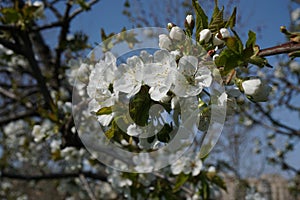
(87,187)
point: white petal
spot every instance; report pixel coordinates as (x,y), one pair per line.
(187,65)
(105,119)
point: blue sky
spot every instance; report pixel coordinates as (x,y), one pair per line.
(270,15)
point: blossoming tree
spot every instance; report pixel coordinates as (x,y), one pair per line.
(135,125)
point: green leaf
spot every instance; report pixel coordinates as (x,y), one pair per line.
(258,61)
(164,134)
(205,189)
(229,60)
(110,133)
(201,18)
(10,15)
(181,179)
(104,111)
(83,4)
(219,182)
(251,40)
(235,43)
(139,107)
(232,20)
(217,21)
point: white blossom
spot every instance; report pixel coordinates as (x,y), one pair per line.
(165,42)
(295,66)
(186,165)
(133,130)
(37,133)
(295,15)
(191,77)
(130,76)
(143,163)
(159,74)
(177,34)
(193,166)
(256,89)
(178,165)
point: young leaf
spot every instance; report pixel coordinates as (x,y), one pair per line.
(232,20)
(201,18)
(234,45)
(251,40)
(217,21)
(239,41)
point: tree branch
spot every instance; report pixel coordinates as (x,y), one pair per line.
(288,47)
(36,71)
(15,116)
(98,176)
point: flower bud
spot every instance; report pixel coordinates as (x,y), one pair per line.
(164,42)
(256,89)
(211,172)
(219,37)
(40,8)
(189,22)
(205,35)
(224,33)
(170,25)
(217,41)
(177,34)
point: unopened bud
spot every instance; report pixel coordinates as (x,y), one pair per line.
(205,35)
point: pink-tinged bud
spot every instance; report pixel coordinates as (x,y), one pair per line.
(205,35)
(177,34)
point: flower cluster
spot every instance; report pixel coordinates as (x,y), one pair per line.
(160,73)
